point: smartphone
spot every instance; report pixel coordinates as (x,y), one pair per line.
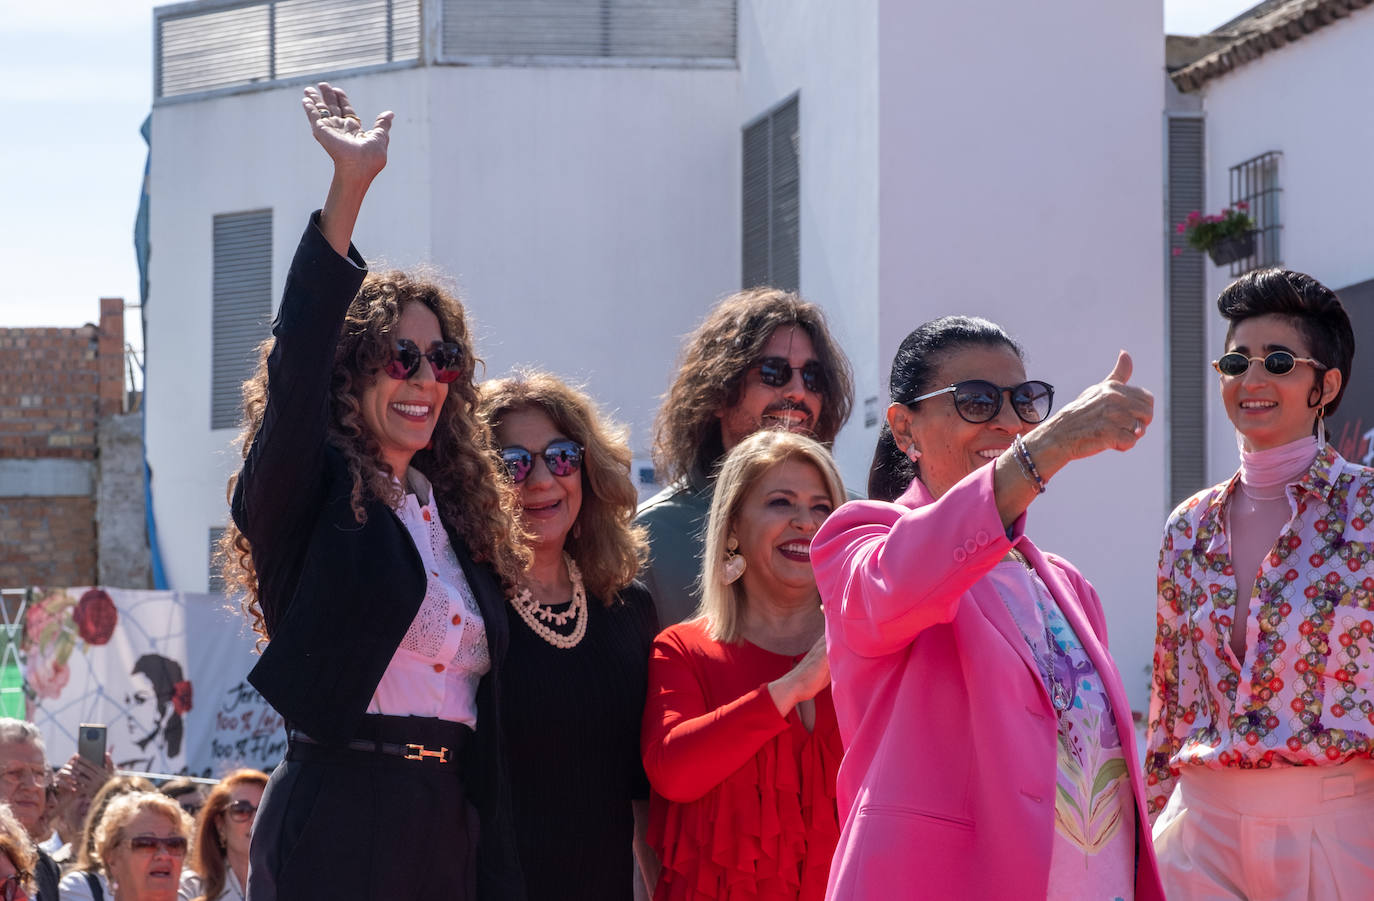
(90,743)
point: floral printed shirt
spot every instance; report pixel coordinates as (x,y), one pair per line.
(1306,694)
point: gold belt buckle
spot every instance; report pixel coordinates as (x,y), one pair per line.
(420,752)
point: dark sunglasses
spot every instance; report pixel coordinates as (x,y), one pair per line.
(978,401)
(776,372)
(563,458)
(242,811)
(12,887)
(445,358)
(174,845)
(1279,362)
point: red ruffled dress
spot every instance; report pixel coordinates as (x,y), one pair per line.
(743,803)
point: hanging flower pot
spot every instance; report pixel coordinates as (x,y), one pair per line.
(1226,238)
(1236,247)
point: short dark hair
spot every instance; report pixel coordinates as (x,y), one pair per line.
(919,356)
(711,373)
(1313,308)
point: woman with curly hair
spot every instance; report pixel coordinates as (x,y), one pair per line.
(218,868)
(580,631)
(372,533)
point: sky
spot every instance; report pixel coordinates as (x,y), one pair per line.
(76,84)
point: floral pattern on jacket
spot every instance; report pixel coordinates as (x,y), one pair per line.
(1306,695)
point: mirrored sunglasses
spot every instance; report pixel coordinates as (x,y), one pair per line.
(978,401)
(445,358)
(563,458)
(776,372)
(1279,362)
(242,811)
(174,845)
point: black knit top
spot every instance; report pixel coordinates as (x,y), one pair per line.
(571,719)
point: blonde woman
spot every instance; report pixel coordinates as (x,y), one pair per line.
(739,737)
(142,840)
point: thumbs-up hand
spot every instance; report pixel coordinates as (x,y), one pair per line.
(1111,414)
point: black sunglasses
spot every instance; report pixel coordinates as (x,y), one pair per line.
(445,358)
(174,845)
(977,400)
(563,458)
(776,372)
(1279,362)
(242,811)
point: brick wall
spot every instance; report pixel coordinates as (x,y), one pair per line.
(48,541)
(56,386)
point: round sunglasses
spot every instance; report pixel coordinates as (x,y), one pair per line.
(562,457)
(976,400)
(776,372)
(1278,362)
(445,358)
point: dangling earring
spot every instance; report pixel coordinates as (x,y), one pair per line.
(913,454)
(734,561)
(1321,427)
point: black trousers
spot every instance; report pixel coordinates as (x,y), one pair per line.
(343,823)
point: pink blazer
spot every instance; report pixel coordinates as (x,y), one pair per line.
(948,782)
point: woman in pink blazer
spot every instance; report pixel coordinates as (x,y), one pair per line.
(989,751)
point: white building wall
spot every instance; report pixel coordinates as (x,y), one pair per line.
(583,238)
(1311,100)
(827,52)
(1020,159)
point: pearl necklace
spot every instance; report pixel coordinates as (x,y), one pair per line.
(536,615)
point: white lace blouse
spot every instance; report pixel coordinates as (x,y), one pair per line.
(444,654)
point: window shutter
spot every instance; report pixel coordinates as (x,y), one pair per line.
(214,582)
(256,43)
(771,200)
(1189,373)
(627,29)
(242,307)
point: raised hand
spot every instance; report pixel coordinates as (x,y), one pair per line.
(357,153)
(1111,414)
(803,681)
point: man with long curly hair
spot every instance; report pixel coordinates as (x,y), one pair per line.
(762,358)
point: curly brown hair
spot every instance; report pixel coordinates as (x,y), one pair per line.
(711,372)
(459,463)
(609,548)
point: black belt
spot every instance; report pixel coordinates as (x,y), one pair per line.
(443,749)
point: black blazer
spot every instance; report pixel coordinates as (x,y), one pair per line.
(338,595)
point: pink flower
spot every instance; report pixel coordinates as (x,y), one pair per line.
(1178,251)
(1194,216)
(47,676)
(1242,205)
(1181,228)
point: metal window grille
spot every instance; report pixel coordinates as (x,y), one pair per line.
(213,46)
(519,30)
(1187,304)
(241,308)
(771,200)
(1255,182)
(214,581)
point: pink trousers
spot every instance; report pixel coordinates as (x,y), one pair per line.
(1281,834)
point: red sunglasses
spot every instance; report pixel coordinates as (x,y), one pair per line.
(445,358)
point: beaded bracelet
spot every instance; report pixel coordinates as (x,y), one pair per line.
(1023,458)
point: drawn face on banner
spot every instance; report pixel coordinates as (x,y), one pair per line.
(154,704)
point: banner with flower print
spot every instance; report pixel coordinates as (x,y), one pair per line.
(164,671)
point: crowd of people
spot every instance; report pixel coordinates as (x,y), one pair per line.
(505,679)
(86,833)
